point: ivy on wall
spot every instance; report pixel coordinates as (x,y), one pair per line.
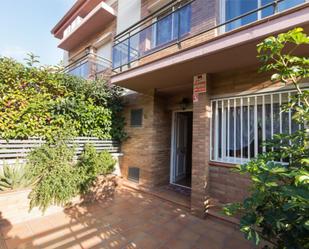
(43,101)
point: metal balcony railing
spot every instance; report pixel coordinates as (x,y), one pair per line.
(179,21)
(89,66)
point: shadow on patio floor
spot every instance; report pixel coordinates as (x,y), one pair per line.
(128,220)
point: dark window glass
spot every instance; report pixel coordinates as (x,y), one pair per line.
(235,8)
(167,25)
(136,117)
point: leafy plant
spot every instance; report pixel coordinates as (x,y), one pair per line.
(41,101)
(57,181)
(14,177)
(91,164)
(60,177)
(277,210)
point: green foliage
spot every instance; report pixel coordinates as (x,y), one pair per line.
(13,177)
(277,55)
(60,178)
(57,180)
(278,208)
(91,164)
(41,101)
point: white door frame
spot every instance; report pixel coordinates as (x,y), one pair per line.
(173,147)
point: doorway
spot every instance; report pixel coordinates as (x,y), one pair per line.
(181,150)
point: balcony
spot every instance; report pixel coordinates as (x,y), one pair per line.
(92,23)
(90,66)
(180,26)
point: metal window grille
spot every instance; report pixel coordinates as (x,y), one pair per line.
(240,125)
(133,174)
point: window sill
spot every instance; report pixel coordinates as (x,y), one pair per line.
(222,165)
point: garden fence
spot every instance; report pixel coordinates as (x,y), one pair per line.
(17,150)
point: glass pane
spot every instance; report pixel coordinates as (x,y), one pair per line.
(120,54)
(164,30)
(285,115)
(238,129)
(260,123)
(214,129)
(295,125)
(185,20)
(232,128)
(235,8)
(245,128)
(134,47)
(269,10)
(286,4)
(268,121)
(276,114)
(251,124)
(220,129)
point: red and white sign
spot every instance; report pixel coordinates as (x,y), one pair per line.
(200,83)
(195,97)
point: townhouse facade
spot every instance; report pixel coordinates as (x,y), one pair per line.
(198,105)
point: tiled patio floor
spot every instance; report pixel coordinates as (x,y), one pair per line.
(129,220)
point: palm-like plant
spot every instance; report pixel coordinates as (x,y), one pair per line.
(14,177)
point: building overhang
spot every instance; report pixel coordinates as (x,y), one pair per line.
(80,8)
(94,22)
(233,50)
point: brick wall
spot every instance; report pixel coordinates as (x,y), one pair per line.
(138,147)
(200,154)
(149,147)
(246,80)
(227,186)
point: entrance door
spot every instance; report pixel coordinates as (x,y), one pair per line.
(181,149)
(181,145)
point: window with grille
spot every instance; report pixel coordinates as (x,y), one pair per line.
(241,124)
(136,117)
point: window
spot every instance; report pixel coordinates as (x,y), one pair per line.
(81,69)
(136,117)
(233,8)
(241,124)
(166,27)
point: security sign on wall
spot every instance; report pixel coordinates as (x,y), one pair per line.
(199,86)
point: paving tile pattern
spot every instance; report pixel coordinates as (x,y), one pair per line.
(129,220)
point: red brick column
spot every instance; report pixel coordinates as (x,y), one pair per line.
(200,154)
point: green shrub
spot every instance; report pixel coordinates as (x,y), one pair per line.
(41,101)
(57,183)
(60,178)
(277,209)
(13,177)
(91,164)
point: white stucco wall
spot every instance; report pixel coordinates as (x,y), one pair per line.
(105,51)
(129,12)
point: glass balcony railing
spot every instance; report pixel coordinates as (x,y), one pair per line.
(177,22)
(89,66)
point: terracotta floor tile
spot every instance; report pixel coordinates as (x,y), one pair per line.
(129,220)
(188,236)
(20,231)
(178,244)
(141,240)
